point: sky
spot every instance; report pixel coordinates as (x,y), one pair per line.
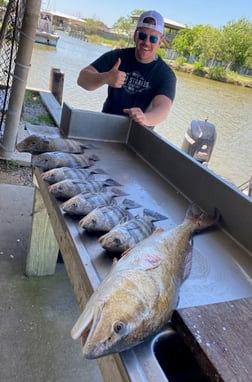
(190,12)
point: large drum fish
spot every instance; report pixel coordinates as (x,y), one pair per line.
(137,297)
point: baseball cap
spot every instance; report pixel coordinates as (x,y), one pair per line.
(158,19)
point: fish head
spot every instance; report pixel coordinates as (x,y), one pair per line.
(53,176)
(115,240)
(33,144)
(94,221)
(44,161)
(111,325)
(61,188)
(73,206)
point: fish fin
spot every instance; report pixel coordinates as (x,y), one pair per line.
(111,182)
(87,145)
(154,216)
(94,157)
(97,171)
(200,218)
(188,260)
(118,192)
(130,204)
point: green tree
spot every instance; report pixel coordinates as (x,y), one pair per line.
(124,24)
(237,43)
(92,25)
(183,42)
(206,43)
(231,44)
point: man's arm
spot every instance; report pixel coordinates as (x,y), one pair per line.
(156,113)
(90,79)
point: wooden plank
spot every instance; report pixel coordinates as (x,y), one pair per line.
(220,337)
(43,248)
(52,105)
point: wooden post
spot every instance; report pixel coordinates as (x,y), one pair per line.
(43,250)
(57,84)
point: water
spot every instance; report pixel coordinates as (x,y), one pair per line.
(228,107)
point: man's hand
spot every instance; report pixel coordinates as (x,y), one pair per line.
(116,77)
(137,115)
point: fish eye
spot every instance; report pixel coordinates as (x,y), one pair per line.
(119,327)
(117,241)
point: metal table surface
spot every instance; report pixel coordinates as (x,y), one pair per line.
(222,266)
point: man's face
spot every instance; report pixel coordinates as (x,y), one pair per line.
(147,42)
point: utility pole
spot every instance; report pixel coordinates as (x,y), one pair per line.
(23,60)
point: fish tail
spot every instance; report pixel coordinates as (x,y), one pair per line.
(200,219)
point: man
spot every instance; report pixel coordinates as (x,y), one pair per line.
(140,84)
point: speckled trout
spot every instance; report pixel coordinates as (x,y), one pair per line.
(137,297)
(36,144)
(68,188)
(61,173)
(47,161)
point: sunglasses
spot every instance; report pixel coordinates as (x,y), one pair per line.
(143,36)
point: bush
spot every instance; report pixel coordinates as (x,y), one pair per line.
(217,73)
(198,68)
(180,61)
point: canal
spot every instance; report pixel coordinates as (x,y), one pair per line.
(228,107)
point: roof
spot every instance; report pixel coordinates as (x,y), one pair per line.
(63,16)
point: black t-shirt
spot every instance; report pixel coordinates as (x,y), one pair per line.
(143,81)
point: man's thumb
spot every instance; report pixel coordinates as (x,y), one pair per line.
(117,64)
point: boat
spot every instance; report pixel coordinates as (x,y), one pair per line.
(45,33)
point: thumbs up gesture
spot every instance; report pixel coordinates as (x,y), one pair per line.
(116,77)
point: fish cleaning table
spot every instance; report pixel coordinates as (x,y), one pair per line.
(162,178)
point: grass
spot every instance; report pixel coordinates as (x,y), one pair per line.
(12,164)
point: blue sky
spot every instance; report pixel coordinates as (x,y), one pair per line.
(191,12)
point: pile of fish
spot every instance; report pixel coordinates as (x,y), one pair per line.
(71,177)
(137,297)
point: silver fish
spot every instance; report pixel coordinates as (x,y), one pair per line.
(137,297)
(68,188)
(82,204)
(125,235)
(105,218)
(57,174)
(47,161)
(36,144)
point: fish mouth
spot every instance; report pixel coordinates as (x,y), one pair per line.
(84,328)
